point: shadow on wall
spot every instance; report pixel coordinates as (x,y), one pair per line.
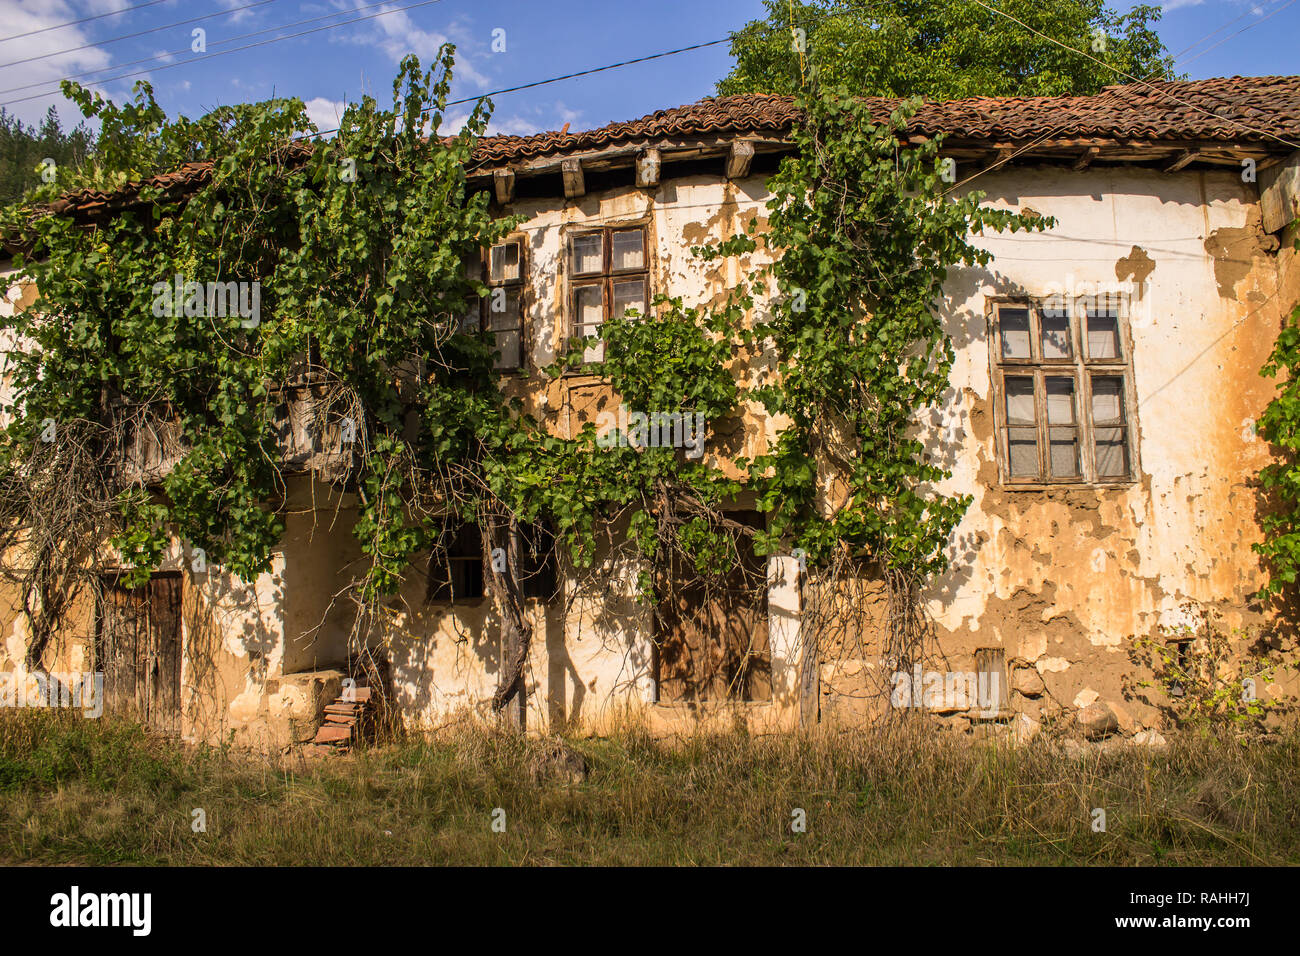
(950,428)
(565,691)
(228,646)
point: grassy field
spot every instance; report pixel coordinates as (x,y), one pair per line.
(105,792)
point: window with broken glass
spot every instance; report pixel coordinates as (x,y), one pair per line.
(608,274)
(1063,380)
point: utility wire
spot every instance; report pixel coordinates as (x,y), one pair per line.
(567,76)
(186,51)
(131,36)
(1250,26)
(247,46)
(73,23)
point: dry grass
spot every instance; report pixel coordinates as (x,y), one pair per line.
(98,792)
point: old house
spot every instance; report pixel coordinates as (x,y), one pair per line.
(1101,415)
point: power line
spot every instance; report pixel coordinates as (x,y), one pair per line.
(247,46)
(132,36)
(1240,32)
(73,23)
(567,76)
(174,53)
(598,69)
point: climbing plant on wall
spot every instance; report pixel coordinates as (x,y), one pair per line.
(1280,426)
(358,248)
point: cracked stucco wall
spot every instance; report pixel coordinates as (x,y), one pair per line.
(1060,579)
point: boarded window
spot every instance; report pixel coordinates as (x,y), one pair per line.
(1063,379)
(713,635)
(138,649)
(609,276)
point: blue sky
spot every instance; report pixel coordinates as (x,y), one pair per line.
(541,39)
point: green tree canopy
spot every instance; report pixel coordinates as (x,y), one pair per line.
(944,49)
(23,148)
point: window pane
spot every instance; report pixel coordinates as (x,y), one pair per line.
(504,262)
(1063,448)
(1060,401)
(1055,334)
(1022,447)
(1110,437)
(627,249)
(1020,400)
(503,309)
(469,323)
(589,311)
(1014,327)
(590,315)
(1112,453)
(587,253)
(509,345)
(629,295)
(1103,336)
(1107,401)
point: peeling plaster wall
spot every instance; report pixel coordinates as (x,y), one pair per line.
(1061,579)
(591,660)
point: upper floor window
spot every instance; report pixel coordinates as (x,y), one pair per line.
(1064,395)
(503,309)
(504,271)
(608,274)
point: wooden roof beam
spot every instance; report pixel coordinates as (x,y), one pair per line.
(503,182)
(739,159)
(1085,158)
(647,168)
(571,172)
(1182,159)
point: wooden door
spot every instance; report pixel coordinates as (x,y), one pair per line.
(139,650)
(713,639)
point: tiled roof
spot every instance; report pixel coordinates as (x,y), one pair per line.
(1219,109)
(1261,111)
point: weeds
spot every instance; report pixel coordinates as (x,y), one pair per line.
(76,790)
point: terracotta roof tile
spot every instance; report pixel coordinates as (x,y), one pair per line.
(1257,110)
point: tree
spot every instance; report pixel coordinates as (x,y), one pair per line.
(945,49)
(24,148)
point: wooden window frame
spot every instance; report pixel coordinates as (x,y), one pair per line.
(442,562)
(607,276)
(520,287)
(1082,369)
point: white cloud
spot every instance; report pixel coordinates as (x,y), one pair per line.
(325,113)
(24,16)
(236,17)
(1173,5)
(396,35)
(520,122)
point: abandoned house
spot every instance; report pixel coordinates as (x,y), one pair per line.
(1101,414)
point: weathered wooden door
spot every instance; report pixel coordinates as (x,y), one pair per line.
(139,650)
(713,638)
